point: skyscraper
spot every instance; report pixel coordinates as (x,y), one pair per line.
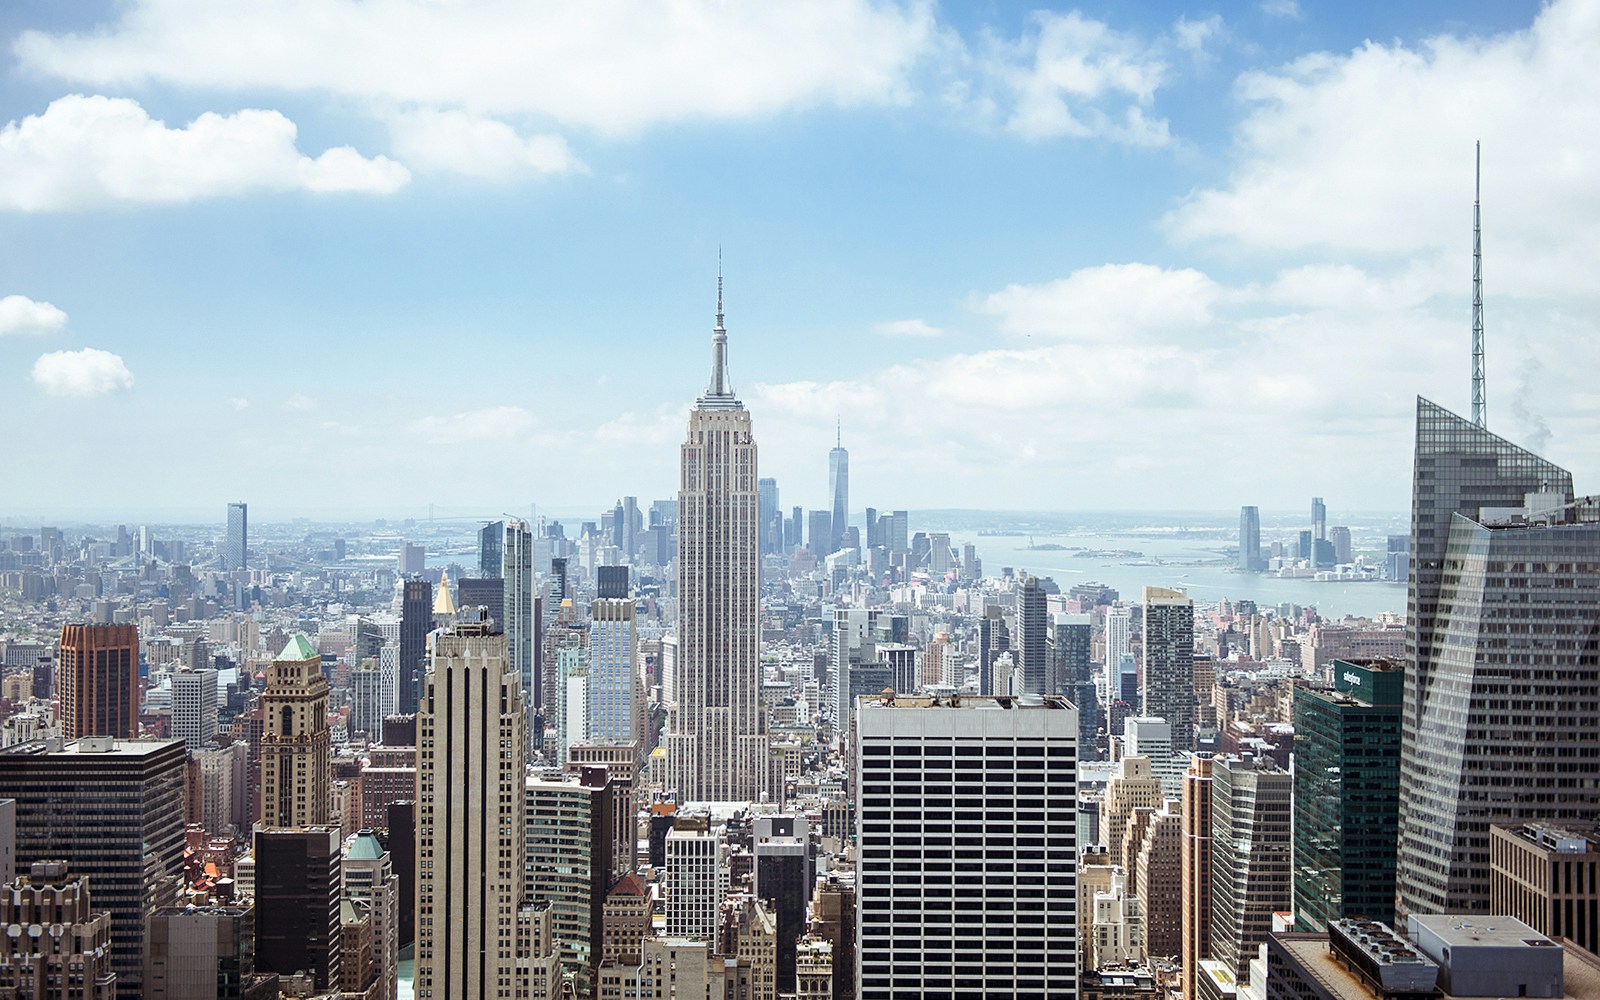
(1502,699)
(771,516)
(490,541)
(113,810)
(839,490)
(99,678)
(297,895)
(1250,856)
(296,747)
(1119,643)
(1250,560)
(1168,685)
(1347,795)
(517,618)
(716,744)
(1196,870)
(236,548)
(615,692)
(471,838)
(194,707)
(416,621)
(1011,827)
(1032,641)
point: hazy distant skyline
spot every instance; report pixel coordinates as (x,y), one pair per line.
(322,255)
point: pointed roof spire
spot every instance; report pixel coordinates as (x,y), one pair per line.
(838,431)
(443,602)
(719,394)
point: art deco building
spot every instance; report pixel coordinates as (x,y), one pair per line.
(54,945)
(471,841)
(296,747)
(716,742)
(1501,718)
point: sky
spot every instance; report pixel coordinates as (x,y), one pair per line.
(376,255)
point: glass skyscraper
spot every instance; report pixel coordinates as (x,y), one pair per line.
(1347,794)
(1250,560)
(1502,696)
(839,490)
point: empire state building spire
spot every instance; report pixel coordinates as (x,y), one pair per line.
(719,394)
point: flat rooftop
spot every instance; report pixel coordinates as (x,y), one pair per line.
(1580,970)
(890,699)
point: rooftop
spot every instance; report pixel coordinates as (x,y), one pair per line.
(299,648)
(1580,970)
(889,699)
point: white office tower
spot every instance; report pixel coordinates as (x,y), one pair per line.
(1145,736)
(471,834)
(366,699)
(1119,643)
(716,741)
(697,878)
(966,865)
(194,707)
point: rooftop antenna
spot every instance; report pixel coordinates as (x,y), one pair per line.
(1477,290)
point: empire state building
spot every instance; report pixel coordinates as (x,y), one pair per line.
(716,738)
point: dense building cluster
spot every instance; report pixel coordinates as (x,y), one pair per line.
(706,747)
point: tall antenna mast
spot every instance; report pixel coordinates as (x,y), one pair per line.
(1477,290)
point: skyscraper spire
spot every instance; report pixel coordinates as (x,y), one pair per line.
(1478,418)
(838,432)
(719,394)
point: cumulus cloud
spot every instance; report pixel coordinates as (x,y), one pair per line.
(86,151)
(86,372)
(474,425)
(906,328)
(612,66)
(1288,9)
(462,143)
(22,315)
(1371,153)
(1073,76)
(1109,302)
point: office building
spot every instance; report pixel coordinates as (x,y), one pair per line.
(194,707)
(1339,538)
(716,740)
(1130,788)
(113,810)
(570,861)
(236,547)
(99,677)
(980,793)
(784,876)
(296,747)
(1502,699)
(1250,560)
(491,539)
(518,619)
(54,943)
(471,806)
(1250,856)
(205,953)
(615,689)
(1031,643)
(1196,870)
(1347,794)
(297,894)
(839,491)
(819,534)
(1119,644)
(370,882)
(696,877)
(771,516)
(1158,874)
(857,668)
(1167,687)
(1549,878)
(416,621)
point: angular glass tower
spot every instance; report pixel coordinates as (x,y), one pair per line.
(1501,718)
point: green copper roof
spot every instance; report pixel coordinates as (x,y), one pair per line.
(364,846)
(299,648)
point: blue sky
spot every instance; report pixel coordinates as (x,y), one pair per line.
(320,254)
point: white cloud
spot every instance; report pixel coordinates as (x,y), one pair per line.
(88,151)
(87,372)
(613,66)
(1077,77)
(474,425)
(239,402)
(1107,303)
(1192,36)
(1287,9)
(906,328)
(22,315)
(1371,153)
(298,402)
(458,142)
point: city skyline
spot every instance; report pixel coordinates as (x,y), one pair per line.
(1183,211)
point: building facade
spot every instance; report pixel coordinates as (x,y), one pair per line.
(296,747)
(1167,686)
(98,674)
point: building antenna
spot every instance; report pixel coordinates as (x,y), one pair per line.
(1477,290)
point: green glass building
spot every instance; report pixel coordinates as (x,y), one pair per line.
(1347,794)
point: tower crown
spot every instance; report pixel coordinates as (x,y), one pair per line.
(719,394)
